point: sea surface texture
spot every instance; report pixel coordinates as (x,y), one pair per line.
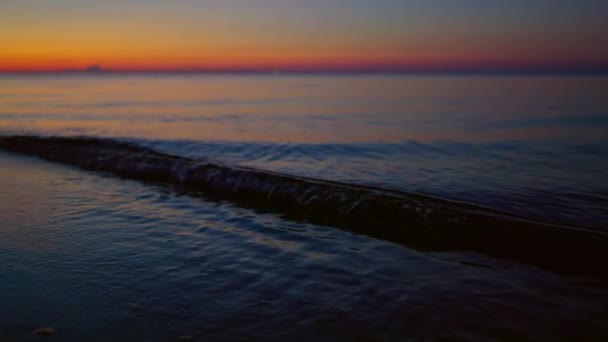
(99,257)
(534,146)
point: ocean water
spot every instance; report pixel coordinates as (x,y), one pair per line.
(533,146)
(146,256)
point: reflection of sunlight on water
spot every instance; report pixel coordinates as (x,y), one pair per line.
(327,109)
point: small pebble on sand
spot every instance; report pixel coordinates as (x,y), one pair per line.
(45,331)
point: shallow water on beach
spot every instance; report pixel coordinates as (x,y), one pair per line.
(100,258)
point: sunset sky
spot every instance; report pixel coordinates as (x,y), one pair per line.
(311,35)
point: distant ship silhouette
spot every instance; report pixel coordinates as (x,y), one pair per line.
(93,68)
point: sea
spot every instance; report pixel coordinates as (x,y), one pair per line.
(106,250)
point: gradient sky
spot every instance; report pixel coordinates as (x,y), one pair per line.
(304,35)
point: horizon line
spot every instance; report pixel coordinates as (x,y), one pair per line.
(597,67)
(278,71)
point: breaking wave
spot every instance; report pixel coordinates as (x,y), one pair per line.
(416,220)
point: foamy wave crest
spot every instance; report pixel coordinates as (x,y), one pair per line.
(415,220)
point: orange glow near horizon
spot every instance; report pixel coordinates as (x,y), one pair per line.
(138,36)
